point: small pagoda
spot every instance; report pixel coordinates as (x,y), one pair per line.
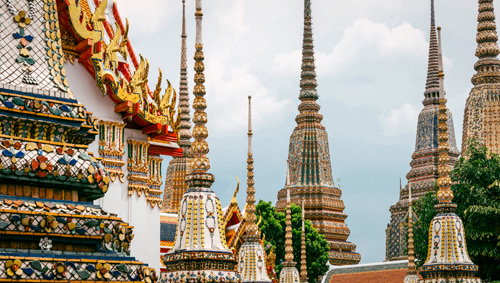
(447,256)
(200,252)
(252,257)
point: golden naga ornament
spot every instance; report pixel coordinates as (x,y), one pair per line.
(107,63)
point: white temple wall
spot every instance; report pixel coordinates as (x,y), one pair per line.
(134,210)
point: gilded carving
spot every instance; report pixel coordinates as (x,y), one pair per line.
(111,148)
(109,79)
(138,165)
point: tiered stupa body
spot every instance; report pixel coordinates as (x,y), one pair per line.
(200,252)
(311,179)
(252,258)
(482,109)
(175,185)
(55,114)
(447,257)
(424,165)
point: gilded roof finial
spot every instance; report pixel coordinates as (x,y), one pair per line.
(252,232)
(488,65)
(185,118)
(444,195)
(432,84)
(303,257)
(199,148)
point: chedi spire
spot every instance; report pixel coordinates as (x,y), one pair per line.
(309,164)
(200,252)
(424,164)
(432,84)
(251,266)
(185,118)
(175,185)
(447,257)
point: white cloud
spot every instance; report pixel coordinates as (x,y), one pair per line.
(364,40)
(145,19)
(399,121)
(228,89)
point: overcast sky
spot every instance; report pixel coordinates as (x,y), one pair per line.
(371,58)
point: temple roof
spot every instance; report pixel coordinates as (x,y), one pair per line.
(387,272)
(94,34)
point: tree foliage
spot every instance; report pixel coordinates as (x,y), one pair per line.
(476,187)
(273,226)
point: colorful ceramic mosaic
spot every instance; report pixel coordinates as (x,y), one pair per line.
(311,179)
(138,165)
(61,270)
(481,117)
(424,165)
(112,148)
(57,165)
(50,229)
(36,64)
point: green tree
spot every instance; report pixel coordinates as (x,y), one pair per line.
(273,225)
(476,187)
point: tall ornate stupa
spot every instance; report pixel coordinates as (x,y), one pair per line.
(175,185)
(447,257)
(252,263)
(424,165)
(482,109)
(289,273)
(311,179)
(200,252)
